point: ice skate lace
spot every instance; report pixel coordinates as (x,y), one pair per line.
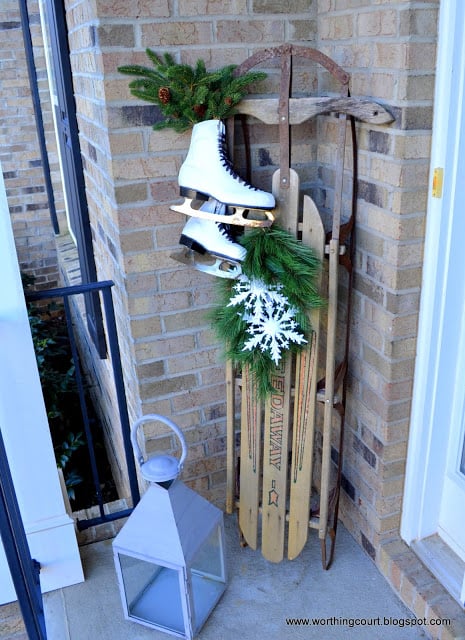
(227,164)
(225,231)
(223,227)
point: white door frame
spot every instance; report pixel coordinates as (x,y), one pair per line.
(23,421)
(437,399)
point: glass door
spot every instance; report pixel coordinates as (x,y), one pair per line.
(451,523)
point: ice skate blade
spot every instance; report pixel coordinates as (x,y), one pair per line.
(254,217)
(198,248)
(221,268)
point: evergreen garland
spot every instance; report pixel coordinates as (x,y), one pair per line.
(289,270)
(187,95)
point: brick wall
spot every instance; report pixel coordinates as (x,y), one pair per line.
(170,356)
(95,152)
(19,148)
(169,353)
(389,50)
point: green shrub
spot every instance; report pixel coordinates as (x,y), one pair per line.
(59,388)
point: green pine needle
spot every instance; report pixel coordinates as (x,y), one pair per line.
(273,256)
(218,92)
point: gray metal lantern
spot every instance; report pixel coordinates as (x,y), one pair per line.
(169,556)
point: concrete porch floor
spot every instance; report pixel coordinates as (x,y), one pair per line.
(352,599)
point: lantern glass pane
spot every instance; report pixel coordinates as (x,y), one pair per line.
(208,576)
(152,593)
(208,560)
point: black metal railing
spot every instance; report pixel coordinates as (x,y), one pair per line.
(24,570)
(65,293)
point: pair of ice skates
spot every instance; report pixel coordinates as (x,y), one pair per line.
(207,176)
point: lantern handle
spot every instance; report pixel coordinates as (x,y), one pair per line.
(169,423)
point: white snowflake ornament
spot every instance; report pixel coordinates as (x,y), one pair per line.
(274,331)
(255,294)
(269,316)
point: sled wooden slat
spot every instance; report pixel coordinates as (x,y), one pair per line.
(230,438)
(313,235)
(250,461)
(302,109)
(275,464)
(287,201)
(330,369)
(273,446)
(329,388)
(277,421)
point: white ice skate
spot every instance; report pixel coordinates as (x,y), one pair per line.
(208,172)
(213,238)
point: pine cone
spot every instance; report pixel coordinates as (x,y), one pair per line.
(164,95)
(228,100)
(199,109)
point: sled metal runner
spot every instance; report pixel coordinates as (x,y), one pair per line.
(270,482)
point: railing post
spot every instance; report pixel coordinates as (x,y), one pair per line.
(115,357)
(118,379)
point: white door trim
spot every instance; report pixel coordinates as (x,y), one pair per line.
(435,394)
(425,396)
(23,421)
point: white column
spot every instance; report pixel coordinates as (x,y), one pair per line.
(25,430)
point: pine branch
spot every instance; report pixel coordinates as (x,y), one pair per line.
(188,94)
(275,258)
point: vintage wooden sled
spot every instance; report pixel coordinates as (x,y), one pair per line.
(281,483)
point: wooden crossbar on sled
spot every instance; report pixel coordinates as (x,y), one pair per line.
(270,481)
